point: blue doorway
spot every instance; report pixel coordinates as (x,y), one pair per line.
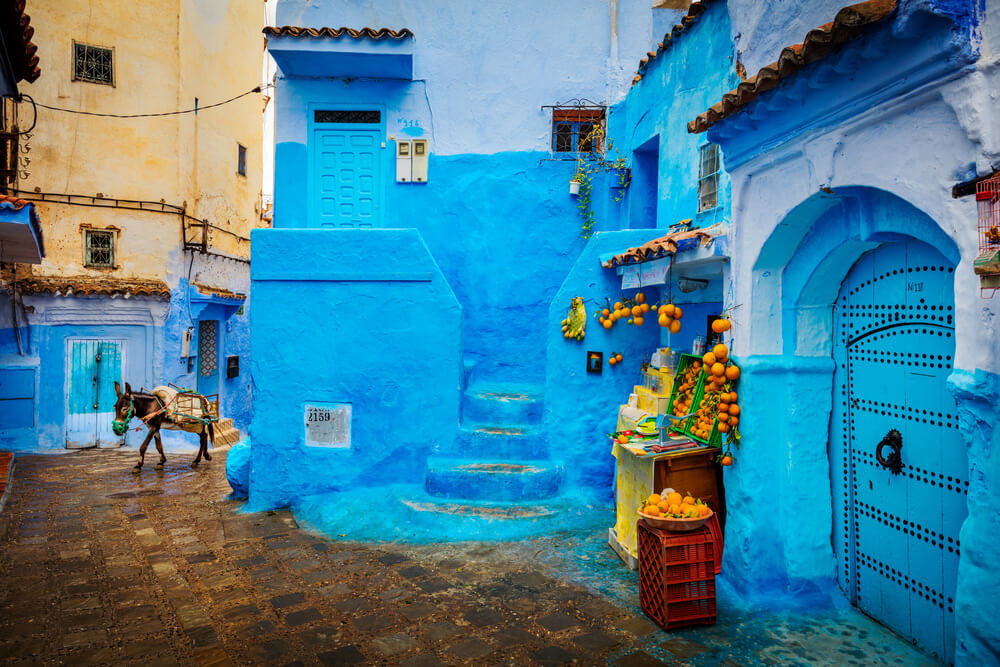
(897,520)
(93,367)
(208,357)
(345,182)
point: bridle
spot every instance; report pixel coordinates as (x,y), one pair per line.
(121,426)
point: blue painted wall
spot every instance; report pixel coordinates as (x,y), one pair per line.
(337,326)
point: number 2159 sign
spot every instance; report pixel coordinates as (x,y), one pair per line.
(328,425)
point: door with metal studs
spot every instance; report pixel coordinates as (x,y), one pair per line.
(898,462)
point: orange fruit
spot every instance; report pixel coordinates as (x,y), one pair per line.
(640,298)
(675,326)
(721,325)
(674,498)
(718,370)
(645,307)
(678,313)
(689,500)
(733,421)
(734,410)
(664,321)
(618,305)
(654,499)
(664,508)
(723,407)
(669,309)
(721,352)
(637,310)
(612,361)
(723,417)
(618,356)
(709,359)
(727,460)
(651,510)
(675,508)
(639,320)
(723,427)
(607,324)
(732,397)
(696,365)
(704,510)
(733,372)
(605,312)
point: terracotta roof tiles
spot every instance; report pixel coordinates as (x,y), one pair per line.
(658,247)
(371,33)
(92,286)
(696,9)
(850,22)
(219,292)
(17,32)
(7,201)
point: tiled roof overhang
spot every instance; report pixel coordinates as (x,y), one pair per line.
(696,9)
(20,231)
(93,286)
(372,33)
(17,33)
(661,247)
(849,23)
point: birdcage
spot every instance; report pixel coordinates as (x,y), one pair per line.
(987,263)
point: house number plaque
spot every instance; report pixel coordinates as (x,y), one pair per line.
(328,425)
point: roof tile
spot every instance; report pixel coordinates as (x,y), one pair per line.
(91,286)
(696,9)
(850,22)
(371,33)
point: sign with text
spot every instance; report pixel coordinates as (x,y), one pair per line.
(328,425)
(645,274)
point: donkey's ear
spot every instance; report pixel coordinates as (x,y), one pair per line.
(118,390)
(128,389)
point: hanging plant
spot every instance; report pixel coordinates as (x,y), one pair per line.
(588,164)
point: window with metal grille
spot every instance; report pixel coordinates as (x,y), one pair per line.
(708,177)
(347,116)
(99,248)
(93,63)
(575,130)
(241,160)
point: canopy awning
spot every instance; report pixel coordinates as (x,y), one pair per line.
(342,52)
(213,302)
(697,254)
(20,232)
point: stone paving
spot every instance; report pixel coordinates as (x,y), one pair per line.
(102,566)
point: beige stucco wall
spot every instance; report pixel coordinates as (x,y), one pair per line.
(166,53)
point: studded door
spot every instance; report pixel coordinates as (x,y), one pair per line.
(896,535)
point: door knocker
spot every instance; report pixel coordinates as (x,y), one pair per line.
(893,462)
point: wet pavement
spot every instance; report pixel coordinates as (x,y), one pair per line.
(102,566)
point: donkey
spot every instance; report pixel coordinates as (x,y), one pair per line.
(150,409)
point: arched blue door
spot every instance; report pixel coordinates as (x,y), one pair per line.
(896,535)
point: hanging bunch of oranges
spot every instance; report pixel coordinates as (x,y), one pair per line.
(670,317)
(632,310)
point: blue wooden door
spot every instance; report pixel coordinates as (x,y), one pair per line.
(345,184)
(208,357)
(896,536)
(93,367)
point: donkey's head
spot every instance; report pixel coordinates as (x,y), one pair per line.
(124,409)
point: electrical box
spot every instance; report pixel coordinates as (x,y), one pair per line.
(186,344)
(420,150)
(403,162)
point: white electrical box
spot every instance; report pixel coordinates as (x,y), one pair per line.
(403,162)
(420,149)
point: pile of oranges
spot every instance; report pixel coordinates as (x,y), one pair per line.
(674,506)
(721,375)
(633,312)
(670,317)
(685,390)
(615,358)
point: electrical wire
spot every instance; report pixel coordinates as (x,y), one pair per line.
(255,89)
(34,108)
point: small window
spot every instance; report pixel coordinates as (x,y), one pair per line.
(93,63)
(363,116)
(576,130)
(241,160)
(100,248)
(708,178)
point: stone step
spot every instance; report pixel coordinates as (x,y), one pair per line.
(514,404)
(497,442)
(492,480)
(226,433)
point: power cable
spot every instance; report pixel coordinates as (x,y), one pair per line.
(256,89)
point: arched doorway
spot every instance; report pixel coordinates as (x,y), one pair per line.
(896,527)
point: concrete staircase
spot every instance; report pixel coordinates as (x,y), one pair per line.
(226,433)
(500,454)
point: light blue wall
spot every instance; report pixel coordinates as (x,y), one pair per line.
(338,325)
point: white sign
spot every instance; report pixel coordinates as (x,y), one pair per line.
(328,425)
(647,273)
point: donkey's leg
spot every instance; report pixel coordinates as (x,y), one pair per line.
(159,448)
(142,450)
(206,437)
(203,443)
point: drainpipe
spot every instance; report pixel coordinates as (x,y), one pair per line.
(613,6)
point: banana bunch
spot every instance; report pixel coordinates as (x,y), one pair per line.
(575,324)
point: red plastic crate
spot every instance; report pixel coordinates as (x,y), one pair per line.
(677,576)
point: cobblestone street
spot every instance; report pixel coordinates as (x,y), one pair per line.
(102,566)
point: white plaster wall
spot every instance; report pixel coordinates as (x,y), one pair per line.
(914,148)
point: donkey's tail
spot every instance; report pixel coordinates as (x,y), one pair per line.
(211,433)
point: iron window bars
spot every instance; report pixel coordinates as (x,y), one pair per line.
(93,63)
(708,177)
(99,249)
(573,124)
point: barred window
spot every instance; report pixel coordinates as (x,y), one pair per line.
(93,63)
(241,160)
(574,130)
(100,248)
(708,177)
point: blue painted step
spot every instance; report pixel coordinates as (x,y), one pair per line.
(496,480)
(502,404)
(497,442)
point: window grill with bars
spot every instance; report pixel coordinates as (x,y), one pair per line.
(572,130)
(93,63)
(99,248)
(708,177)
